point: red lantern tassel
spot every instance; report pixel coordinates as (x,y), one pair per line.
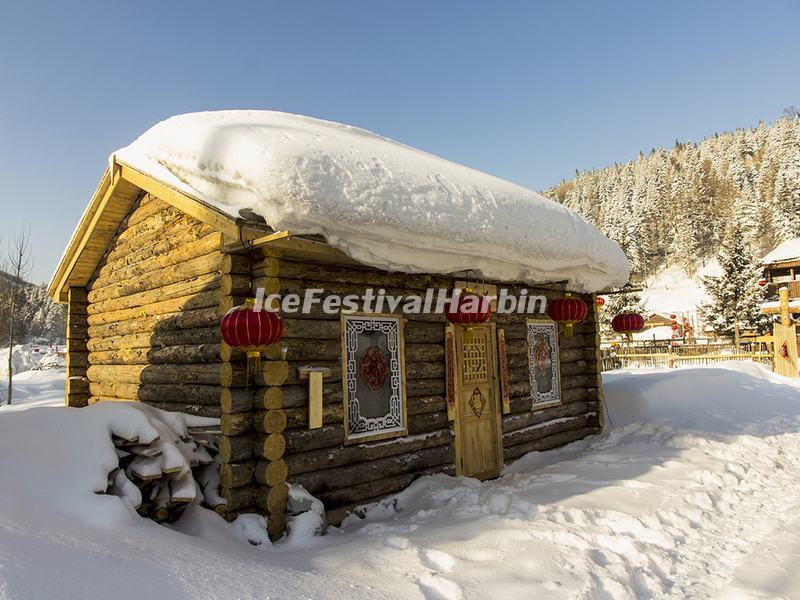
(253,364)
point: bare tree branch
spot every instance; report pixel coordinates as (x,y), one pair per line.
(20,264)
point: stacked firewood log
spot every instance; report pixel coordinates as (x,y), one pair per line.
(160,477)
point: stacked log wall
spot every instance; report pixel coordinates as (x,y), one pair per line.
(526,429)
(344,477)
(152,316)
(77,385)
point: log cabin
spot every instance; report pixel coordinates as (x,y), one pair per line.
(203,210)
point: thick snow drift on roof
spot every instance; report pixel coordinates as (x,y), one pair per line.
(788,250)
(382,203)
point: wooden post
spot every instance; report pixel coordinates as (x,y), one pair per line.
(783,294)
(270,417)
(236,443)
(77,385)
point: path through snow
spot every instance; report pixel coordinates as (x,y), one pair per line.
(699,501)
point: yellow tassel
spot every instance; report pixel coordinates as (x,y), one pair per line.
(568,327)
(253,365)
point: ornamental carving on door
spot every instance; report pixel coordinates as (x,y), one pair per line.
(477,402)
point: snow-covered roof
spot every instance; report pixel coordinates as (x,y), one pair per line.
(381,202)
(788,250)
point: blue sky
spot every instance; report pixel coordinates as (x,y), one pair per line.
(527,91)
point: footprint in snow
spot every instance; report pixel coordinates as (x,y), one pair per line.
(436,587)
(437,560)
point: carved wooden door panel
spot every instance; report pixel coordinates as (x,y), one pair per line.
(478,428)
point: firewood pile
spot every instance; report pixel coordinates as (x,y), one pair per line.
(162,475)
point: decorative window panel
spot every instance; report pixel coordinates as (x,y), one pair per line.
(543,363)
(373,370)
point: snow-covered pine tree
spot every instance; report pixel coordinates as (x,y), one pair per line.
(735,294)
(677,205)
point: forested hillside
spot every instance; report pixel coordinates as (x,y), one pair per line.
(676,206)
(36,316)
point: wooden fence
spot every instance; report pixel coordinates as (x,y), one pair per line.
(667,355)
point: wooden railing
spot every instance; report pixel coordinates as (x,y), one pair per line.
(688,354)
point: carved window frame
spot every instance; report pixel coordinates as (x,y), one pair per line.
(554,397)
(358,428)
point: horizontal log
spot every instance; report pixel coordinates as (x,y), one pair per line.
(201,317)
(423,423)
(523,404)
(190,353)
(236,400)
(186,393)
(235,448)
(372,491)
(192,261)
(302,440)
(235,263)
(233,424)
(175,245)
(239,498)
(153,224)
(511,453)
(199,373)
(287,269)
(298,349)
(199,410)
(77,346)
(207,299)
(234,284)
(330,329)
(379,490)
(233,475)
(181,289)
(342,477)
(318,460)
(174,337)
(546,429)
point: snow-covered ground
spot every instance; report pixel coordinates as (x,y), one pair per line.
(38,376)
(694,491)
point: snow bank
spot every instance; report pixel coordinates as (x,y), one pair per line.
(708,399)
(694,492)
(30,356)
(788,250)
(382,203)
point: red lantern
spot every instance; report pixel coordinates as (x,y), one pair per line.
(600,301)
(568,311)
(762,282)
(674,327)
(628,323)
(249,330)
(469,309)
(673,317)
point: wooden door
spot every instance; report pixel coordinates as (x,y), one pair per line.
(479,443)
